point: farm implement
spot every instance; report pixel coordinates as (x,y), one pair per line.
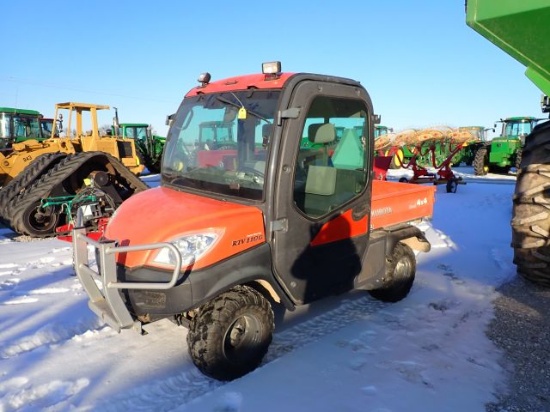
(426,146)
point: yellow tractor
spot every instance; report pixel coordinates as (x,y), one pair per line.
(43,182)
(76,140)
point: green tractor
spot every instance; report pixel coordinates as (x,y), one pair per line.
(467,154)
(148,145)
(17,125)
(505,151)
(380,130)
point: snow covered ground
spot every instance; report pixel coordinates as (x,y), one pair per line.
(426,353)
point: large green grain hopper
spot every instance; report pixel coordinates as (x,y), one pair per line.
(520,28)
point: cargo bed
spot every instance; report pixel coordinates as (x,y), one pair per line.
(394,203)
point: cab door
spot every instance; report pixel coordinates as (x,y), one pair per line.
(321,201)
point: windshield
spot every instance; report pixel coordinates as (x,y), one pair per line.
(26,127)
(218,143)
(18,127)
(519,128)
(133,132)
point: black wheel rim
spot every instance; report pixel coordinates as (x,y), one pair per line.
(41,221)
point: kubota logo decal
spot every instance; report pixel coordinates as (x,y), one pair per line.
(382,211)
(254,237)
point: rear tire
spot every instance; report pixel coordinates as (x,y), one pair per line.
(531,216)
(400,274)
(519,155)
(230,335)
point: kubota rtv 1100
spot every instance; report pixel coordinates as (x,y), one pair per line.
(262,218)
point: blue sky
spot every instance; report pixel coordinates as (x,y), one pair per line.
(422,65)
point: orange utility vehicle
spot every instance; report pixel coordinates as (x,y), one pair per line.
(268,220)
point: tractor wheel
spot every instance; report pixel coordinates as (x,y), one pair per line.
(38,221)
(397,159)
(481,161)
(452,185)
(25,179)
(400,273)
(230,334)
(531,216)
(519,155)
(152,165)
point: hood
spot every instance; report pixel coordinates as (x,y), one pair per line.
(162,214)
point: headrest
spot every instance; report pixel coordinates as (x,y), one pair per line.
(321,133)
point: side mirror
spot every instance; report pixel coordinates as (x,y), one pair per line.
(169,119)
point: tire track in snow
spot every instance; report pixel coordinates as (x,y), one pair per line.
(181,389)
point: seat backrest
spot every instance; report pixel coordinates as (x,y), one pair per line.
(321,180)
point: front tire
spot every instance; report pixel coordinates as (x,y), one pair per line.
(530,215)
(400,274)
(481,161)
(230,335)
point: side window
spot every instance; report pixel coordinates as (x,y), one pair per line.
(330,166)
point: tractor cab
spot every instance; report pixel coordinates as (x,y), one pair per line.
(17,125)
(380,130)
(148,145)
(47,126)
(517,127)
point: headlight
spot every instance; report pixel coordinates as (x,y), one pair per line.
(191,247)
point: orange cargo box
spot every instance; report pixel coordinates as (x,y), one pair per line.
(394,203)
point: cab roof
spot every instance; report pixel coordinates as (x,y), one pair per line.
(244,82)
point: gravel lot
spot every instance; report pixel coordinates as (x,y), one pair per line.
(522,329)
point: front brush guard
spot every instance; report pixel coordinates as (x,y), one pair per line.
(107,302)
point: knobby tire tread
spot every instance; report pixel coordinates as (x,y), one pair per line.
(479,162)
(207,330)
(531,209)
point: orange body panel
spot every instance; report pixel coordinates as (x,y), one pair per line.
(394,202)
(165,214)
(340,228)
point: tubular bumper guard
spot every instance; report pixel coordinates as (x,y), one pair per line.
(107,302)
